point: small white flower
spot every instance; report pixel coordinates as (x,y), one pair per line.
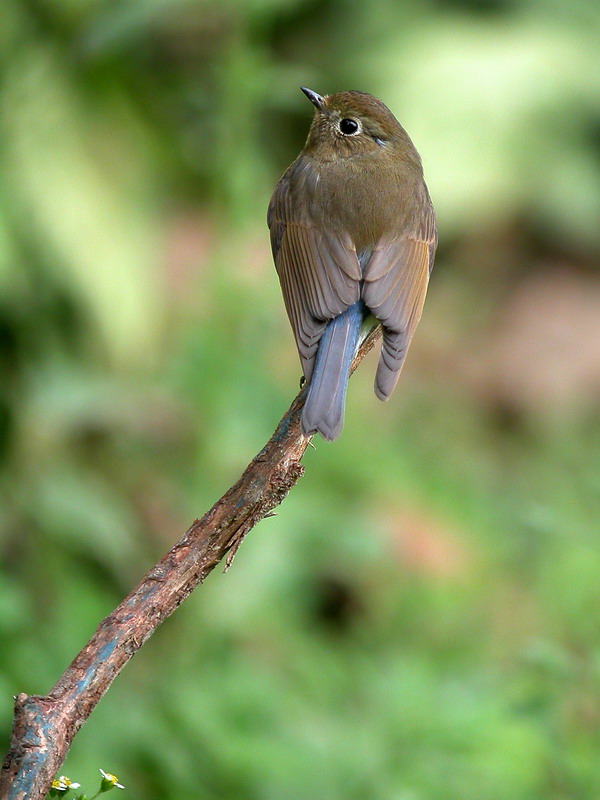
(63,783)
(112,779)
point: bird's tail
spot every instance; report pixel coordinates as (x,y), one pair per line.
(324,407)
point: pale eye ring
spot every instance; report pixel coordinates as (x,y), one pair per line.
(349,126)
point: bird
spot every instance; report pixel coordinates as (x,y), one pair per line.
(353,235)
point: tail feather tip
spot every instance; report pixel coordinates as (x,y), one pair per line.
(327,431)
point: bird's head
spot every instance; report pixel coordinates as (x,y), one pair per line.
(348,124)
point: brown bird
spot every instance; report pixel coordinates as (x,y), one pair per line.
(353,236)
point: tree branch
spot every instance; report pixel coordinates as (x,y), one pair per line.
(45,726)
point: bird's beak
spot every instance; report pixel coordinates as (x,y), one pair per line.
(314,98)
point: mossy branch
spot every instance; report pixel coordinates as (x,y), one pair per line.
(44,726)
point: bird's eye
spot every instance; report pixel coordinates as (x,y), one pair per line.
(349,127)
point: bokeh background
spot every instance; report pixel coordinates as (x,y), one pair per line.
(422,618)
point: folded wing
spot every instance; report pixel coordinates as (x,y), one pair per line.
(396,280)
(318,270)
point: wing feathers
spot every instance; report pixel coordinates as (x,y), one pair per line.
(396,280)
(319,272)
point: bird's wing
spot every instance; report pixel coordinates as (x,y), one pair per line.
(318,270)
(396,279)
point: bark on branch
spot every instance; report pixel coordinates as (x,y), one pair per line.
(44,726)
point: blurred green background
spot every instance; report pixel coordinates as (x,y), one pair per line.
(421,620)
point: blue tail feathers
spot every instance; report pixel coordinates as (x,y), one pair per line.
(324,407)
